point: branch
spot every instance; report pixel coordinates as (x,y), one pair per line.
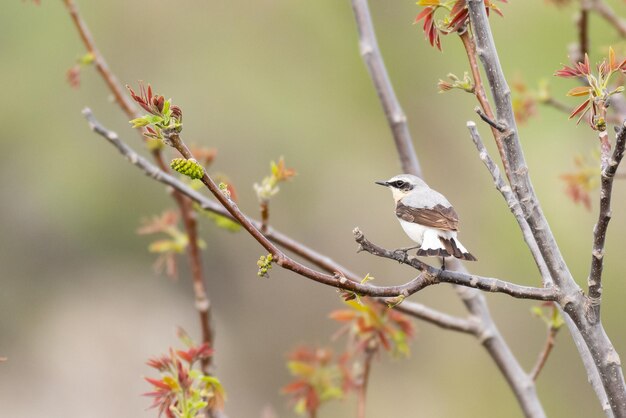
(608,14)
(599,346)
(513,204)
(479,90)
(583,29)
(396,118)
(522,386)
(100,63)
(518,174)
(265,215)
(495,125)
(427,314)
(511,201)
(362,389)
(599,231)
(435,276)
(545,353)
(428,277)
(202,301)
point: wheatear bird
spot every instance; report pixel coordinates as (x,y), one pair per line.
(427,218)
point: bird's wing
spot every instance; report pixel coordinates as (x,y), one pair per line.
(439,216)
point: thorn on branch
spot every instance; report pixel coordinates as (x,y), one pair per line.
(496,125)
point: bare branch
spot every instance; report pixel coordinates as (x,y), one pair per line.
(362,389)
(511,201)
(599,231)
(558,105)
(479,90)
(574,303)
(608,14)
(521,384)
(378,72)
(265,215)
(545,353)
(588,361)
(434,275)
(583,29)
(519,179)
(499,127)
(100,63)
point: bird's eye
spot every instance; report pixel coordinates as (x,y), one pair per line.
(399,183)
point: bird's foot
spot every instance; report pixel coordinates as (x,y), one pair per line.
(404,253)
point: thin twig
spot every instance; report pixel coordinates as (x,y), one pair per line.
(265,215)
(100,63)
(370,52)
(608,14)
(202,301)
(498,126)
(582,23)
(479,91)
(599,231)
(545,353)
(511,201)
(558,105)
(362,389)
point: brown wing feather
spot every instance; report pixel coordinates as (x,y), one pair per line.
(439,217)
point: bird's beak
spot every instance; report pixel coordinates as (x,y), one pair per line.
(382,183)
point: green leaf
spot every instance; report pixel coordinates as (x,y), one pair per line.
(140,122)
(367,278)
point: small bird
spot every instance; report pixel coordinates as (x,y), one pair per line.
(427,218)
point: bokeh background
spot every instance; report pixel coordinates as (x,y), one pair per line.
(80,306)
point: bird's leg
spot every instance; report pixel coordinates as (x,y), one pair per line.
(443,263)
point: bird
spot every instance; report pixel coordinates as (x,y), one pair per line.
(427,217)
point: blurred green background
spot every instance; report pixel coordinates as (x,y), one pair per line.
(80,307)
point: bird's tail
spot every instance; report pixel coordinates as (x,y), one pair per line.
(435,245)
(456,249)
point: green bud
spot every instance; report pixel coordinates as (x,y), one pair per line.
(87,59)
(190,168)
(264,264)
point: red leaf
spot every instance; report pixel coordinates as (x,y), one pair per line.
(579,109)
(157,383)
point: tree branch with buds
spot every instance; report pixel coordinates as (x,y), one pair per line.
(429,276)
(202,301)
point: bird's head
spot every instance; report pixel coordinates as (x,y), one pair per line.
(402,184)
